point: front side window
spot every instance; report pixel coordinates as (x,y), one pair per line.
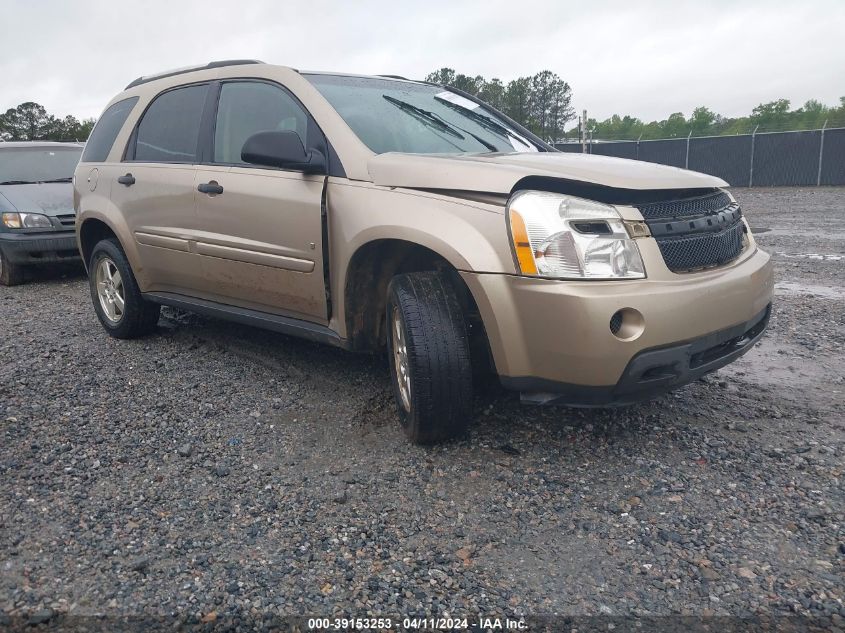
(248,107)
(169,130)
(391,115)
(106,130)
(20,165)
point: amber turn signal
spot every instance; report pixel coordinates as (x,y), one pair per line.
(522,245)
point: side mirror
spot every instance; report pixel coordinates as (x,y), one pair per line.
(282,149)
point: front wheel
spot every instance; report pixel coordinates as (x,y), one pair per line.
(429,356)
(10,274)
(118,302)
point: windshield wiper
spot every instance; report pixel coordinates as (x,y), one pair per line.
(486,144)
(485,122)
(435,119)
(36,182)
(425,116)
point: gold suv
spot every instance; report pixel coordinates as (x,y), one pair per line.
(377,213)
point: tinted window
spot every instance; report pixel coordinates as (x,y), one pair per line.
(102,136)
(169,131)
(246,108)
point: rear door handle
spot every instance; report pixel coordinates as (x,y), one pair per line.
(211,187)
(127,180)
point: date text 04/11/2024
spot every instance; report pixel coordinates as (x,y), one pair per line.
(419,624)
(481,624)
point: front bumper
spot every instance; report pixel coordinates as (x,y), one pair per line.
(651,372)
(553,337)
(39,248)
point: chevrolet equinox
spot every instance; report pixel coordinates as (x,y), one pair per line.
(376,214)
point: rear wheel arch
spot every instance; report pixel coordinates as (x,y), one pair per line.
(93,231)
(118,301)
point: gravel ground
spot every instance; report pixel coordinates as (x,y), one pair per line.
(224,472)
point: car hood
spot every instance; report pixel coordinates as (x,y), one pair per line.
(499,172)
(49,198)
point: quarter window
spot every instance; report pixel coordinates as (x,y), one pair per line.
(106,130)
(169,130)
(246,108)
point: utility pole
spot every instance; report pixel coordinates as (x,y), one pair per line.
(751,168)
(686,162)
(821,153)
(584,132)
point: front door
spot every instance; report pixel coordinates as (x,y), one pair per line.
(261,246)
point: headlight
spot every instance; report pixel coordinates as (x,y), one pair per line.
(26,221)
(555,235)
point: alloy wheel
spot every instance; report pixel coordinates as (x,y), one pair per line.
(400,359)
(110,290)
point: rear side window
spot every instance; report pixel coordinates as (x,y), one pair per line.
(102,136)
(248,107)
(169,129)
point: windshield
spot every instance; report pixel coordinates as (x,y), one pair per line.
(402,116)
(20,165)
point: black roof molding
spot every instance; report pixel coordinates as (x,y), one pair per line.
(172,73)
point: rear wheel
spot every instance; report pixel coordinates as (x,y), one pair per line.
(10,274)
(429,357)
(123,312)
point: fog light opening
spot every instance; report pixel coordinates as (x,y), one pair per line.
(627,324)
(616,322)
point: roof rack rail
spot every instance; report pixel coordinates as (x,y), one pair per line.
(394,77)
(190,69)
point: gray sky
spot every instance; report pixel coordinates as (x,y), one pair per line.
(643,58)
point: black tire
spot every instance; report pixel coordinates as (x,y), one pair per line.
(138,316)
(10,274)
(439,402)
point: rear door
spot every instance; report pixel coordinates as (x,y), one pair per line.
(262,241)
(154,187)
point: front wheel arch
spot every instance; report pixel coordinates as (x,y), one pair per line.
(368,274)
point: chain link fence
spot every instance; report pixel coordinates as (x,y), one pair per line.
(763,159)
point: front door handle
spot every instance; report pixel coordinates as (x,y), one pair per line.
(127,180)
(211,187)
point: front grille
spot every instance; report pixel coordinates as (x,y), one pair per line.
(702,250)
(68,219)
(696,233)
(687,207)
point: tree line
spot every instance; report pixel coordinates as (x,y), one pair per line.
(542,102)
(774,116)
(31,122)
